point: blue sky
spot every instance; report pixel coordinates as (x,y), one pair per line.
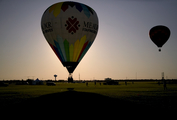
(122,48)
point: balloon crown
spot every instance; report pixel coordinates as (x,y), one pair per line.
(56,8)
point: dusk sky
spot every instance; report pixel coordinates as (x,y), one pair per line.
(122,48)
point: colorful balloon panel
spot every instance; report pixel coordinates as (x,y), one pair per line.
(70,29)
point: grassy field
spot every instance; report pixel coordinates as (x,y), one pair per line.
(140,96)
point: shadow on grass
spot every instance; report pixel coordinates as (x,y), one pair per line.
(78,102)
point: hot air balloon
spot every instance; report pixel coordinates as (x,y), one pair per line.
(159,35)
(70,29)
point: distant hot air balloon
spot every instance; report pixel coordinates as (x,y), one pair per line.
(70,29)
(159,35)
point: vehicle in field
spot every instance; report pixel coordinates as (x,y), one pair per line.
(50,84)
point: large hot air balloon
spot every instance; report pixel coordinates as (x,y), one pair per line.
(70,29)
(159,35)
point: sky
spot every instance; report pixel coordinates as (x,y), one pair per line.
(121,50)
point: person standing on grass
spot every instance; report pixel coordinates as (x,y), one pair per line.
(164,85)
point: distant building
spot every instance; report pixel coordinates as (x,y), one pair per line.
(110,81)
(107,79)
(35,82)
(38,82)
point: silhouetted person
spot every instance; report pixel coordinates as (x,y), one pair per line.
(159,82)
(86,83)
(164,85)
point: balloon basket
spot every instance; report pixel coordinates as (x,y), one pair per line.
(70,78)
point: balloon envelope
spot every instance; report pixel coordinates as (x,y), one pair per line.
(70,29)
(159,35)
